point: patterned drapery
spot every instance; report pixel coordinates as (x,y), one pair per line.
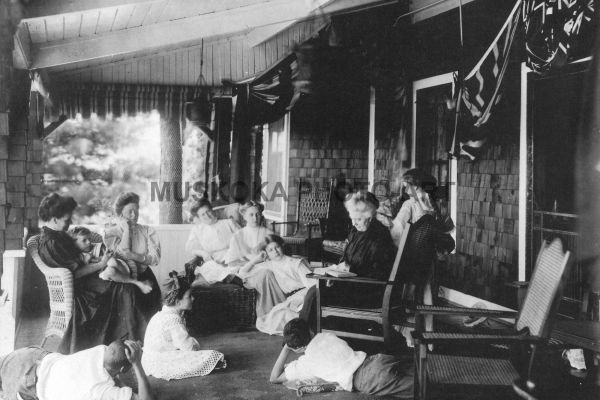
(120,99)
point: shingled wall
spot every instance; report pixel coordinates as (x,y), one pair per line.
(320,157)
(486,226)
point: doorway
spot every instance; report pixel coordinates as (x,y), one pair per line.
(554,104)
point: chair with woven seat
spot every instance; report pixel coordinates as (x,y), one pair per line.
(313,202)
(412,266)
(532,327)
(60,289)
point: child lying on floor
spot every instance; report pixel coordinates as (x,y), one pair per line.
(116,269)
(329,358)
(169,350)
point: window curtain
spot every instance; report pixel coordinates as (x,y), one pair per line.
(120,99)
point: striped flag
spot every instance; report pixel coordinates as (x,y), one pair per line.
(480,89)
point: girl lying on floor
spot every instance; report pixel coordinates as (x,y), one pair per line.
(169,350)
(281,283)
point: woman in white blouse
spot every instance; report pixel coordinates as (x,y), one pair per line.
(281,283)
(209,239)
(139,243)
(169,350)
(247,242)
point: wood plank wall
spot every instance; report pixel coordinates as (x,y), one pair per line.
(231,58)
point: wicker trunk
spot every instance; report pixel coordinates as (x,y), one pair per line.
(223,306)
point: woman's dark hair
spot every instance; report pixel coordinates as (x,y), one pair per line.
(56,206)
(177,286)
(273,238)
(80,231)
(198,205)
(125,198)
(296,333)
(419,178)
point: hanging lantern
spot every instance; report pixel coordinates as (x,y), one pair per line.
(199,111)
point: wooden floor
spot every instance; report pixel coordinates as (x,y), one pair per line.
(250,356)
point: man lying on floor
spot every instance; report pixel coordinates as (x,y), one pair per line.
(329,358)
(33,373)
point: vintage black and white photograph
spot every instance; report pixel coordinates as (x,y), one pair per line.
(274,199)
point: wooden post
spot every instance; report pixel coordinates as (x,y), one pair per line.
(240,151)
(170,172)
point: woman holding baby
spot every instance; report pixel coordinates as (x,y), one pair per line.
(103,310)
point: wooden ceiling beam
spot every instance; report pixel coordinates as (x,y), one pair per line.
(46,8)
(179,32)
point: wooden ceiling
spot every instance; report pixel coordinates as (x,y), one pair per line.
(90,38)
(67,32)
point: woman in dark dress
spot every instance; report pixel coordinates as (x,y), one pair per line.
(102,310)
(138,243)
(370,253)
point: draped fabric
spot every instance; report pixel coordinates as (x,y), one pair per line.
(120,99)
(268,96)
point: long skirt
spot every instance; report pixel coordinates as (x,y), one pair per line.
(151,303)
(179,364)
(385,375)
(103,311)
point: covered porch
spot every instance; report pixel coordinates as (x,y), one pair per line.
(344,91)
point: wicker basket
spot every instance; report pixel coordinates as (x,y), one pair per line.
(223,306)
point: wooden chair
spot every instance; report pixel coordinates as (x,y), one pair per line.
(335,227)
(313,202)
(60,289)
(532,327)
(415,243)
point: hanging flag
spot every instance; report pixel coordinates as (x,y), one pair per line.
(554,29)
(480,89)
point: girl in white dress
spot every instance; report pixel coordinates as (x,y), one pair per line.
(246,242)
(281,283)
(209,239)
(169,350)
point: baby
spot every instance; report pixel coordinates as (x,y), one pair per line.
(116,269)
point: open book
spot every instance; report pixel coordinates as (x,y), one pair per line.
(339,271)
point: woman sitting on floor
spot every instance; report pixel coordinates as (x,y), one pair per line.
(209,239)
(246,243)
(169,350)
(284,278)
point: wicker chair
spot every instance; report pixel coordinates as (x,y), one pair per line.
(416,246)
(532,327)
(312,205)
(60,289)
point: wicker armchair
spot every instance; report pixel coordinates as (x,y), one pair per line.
(60,289)
(532,327)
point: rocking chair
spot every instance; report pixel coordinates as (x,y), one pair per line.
(532,327)
(313,202)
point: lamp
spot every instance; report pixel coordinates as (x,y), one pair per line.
(199,111)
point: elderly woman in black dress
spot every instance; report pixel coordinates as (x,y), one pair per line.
(103,311)
(369,252)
